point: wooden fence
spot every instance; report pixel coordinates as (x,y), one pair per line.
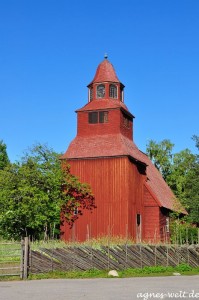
(14,258)
(106,258)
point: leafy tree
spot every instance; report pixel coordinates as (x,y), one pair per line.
(196,139)
(34,191)
(181,172)
(183,232)
(4,160)
(192,188)
(161,155)
(183,163)
(192,195)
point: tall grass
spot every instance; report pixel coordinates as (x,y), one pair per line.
(94,243)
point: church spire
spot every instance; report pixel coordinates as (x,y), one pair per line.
(105,84)
(105,72)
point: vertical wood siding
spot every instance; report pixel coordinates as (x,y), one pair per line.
(152,227)
(136,180)
(120,194)
(155,219)
(117,187)
(152,218)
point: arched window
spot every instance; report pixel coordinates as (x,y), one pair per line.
(113,91)
(100,91)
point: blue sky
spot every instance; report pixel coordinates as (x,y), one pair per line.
(49,52)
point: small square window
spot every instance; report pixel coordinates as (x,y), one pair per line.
(126,121)
(93,117)
(103,117)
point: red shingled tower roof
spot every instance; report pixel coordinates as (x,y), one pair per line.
(105,72)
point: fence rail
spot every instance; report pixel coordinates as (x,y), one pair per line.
(118,257)
(10,259)
(18,259)
(14,258)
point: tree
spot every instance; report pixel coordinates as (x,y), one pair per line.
(192,188)
(181,167)
(35,190)
(196,139)
(181,172)
(4,160)
(161,155)
(192,195)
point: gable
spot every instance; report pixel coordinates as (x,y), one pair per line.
(149,198)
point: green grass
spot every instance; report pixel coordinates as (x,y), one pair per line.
(145,272)
(10,251)
(10,256)
(10,278)
(95,243)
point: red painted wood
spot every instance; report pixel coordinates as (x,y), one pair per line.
(109,183)
(123,180)
(113,182)
(115,118)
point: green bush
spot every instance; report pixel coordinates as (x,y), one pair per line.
(183,268)
(183,233)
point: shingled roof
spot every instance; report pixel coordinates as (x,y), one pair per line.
(105,72)
(103,146)
(104,104)
(113,145)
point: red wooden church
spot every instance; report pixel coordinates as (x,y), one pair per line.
(130,194)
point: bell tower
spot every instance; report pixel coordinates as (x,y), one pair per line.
(105,84)
(104,124)
(105,112)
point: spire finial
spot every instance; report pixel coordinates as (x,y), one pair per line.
(105,55)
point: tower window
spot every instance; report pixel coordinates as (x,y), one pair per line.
(98,117)
(100,91)
(122,94)
(103,116)
(126,121)
(93,117)
(91,94)
(113,91)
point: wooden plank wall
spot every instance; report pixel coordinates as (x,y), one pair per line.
(108,178)
(152,218)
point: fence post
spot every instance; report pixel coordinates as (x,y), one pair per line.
(167,254)
(21,259)
(141,265)
(126,250)
(52,260)
(188,260)
(26,258)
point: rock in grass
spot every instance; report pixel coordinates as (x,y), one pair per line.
(176,274)
(113,273)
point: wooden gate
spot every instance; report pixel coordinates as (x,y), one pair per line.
(14,258)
